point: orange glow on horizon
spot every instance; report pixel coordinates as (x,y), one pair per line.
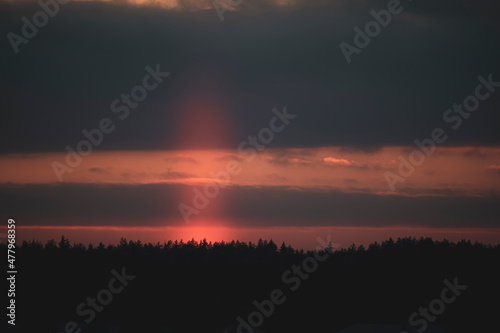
(298,237)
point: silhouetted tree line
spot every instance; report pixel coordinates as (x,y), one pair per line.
(200,286)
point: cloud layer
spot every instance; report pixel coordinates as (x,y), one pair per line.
(243,206)
(233,73)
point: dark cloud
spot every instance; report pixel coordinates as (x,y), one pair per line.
(475,152)
(176,175)
(361,149)
(275,176)
(181,159)
(98,170)
(395,90)
(133,174)
(285,161)
(155,204)
(230,157)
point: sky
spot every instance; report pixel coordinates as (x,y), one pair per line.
(159,120)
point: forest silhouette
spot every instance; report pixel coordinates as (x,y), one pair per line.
(200,286)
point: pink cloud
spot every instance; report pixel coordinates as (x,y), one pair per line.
(339,161)
(494,167)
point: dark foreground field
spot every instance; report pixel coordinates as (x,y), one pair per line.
(200,287)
